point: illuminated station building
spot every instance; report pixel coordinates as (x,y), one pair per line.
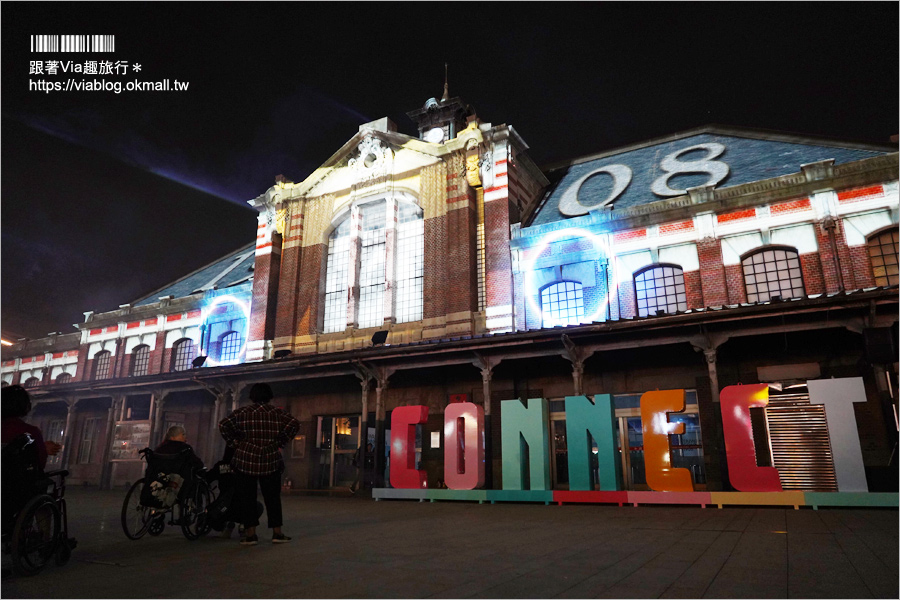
(446,267)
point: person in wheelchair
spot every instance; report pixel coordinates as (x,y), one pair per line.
(34,521)
(28,452)
(171,469)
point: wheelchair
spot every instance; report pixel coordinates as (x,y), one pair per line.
(35,519)
(144,513)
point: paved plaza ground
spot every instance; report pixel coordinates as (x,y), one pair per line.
(353,547)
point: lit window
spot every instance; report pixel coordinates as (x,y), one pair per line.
(883,255)
(772,272)
(63,378)
(337,270)
(230,347)
(371,243)
(140,361)
(371,266)
(101,365)
(410,264)
(659,288)
(562,304)
(184,352)
(32,382)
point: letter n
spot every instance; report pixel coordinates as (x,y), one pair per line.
(596,419)
(525,430)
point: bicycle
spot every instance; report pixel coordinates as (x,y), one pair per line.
(143,514)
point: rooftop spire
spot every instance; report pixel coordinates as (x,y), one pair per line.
(446,95)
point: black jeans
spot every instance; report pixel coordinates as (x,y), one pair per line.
(245,496)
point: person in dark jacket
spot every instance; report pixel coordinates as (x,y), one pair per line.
(257,432)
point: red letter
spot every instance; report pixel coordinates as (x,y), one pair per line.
(464,446)
(745,475)
(403,447)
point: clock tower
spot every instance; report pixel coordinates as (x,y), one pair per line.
(440,120)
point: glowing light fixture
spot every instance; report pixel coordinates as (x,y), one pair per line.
(530,290)
(210,309)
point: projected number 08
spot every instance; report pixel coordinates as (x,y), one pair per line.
(671,165)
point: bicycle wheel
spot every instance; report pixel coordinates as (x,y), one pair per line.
(135,517)
(35,535)
(194,522)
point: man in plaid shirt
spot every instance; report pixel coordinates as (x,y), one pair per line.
(257,432)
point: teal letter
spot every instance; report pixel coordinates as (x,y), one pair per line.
(521,426)
(582,418)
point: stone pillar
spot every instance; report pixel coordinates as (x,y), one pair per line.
(354,265)
(157,433)
(106,469)
(710,355)
(67,434)
(364,382)
(380,392)
(486,366)
(213,435)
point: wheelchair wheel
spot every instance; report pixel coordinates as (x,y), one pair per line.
(136,518)
(35,535)
(157,524)
(194,522)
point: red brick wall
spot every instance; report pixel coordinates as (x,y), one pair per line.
(498,266)
(734,283)
(461,284)
(434,277)
(693,289)
(265,292)
(286,314)
(861,267)
(156,355)
(308,296)
(813,279)
(712,273)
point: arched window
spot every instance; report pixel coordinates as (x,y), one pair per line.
(562,304)
(883,256)
(230,346)
(63,378)
(368,243)
(183,354)
(659,288)
(32,382)
(101,365)
(140,360)
(772,271)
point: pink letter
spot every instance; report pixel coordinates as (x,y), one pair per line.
(745,475)
(464,446)
(403,447)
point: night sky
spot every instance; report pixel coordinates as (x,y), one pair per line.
(107,197)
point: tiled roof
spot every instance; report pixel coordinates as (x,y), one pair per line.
(232,269)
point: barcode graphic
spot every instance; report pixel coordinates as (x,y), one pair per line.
(73,43)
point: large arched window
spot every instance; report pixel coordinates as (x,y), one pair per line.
(183,354)
(63,378)
(101,365)
(32,382)
(772,271)
(229,347)
(562,303)
(659,288)
(365,235)
(140,360)
(883,256)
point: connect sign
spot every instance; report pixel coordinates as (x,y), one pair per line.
(525,440)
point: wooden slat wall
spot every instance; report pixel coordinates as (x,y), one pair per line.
(798,437)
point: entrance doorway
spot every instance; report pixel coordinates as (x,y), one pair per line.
(337,439)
